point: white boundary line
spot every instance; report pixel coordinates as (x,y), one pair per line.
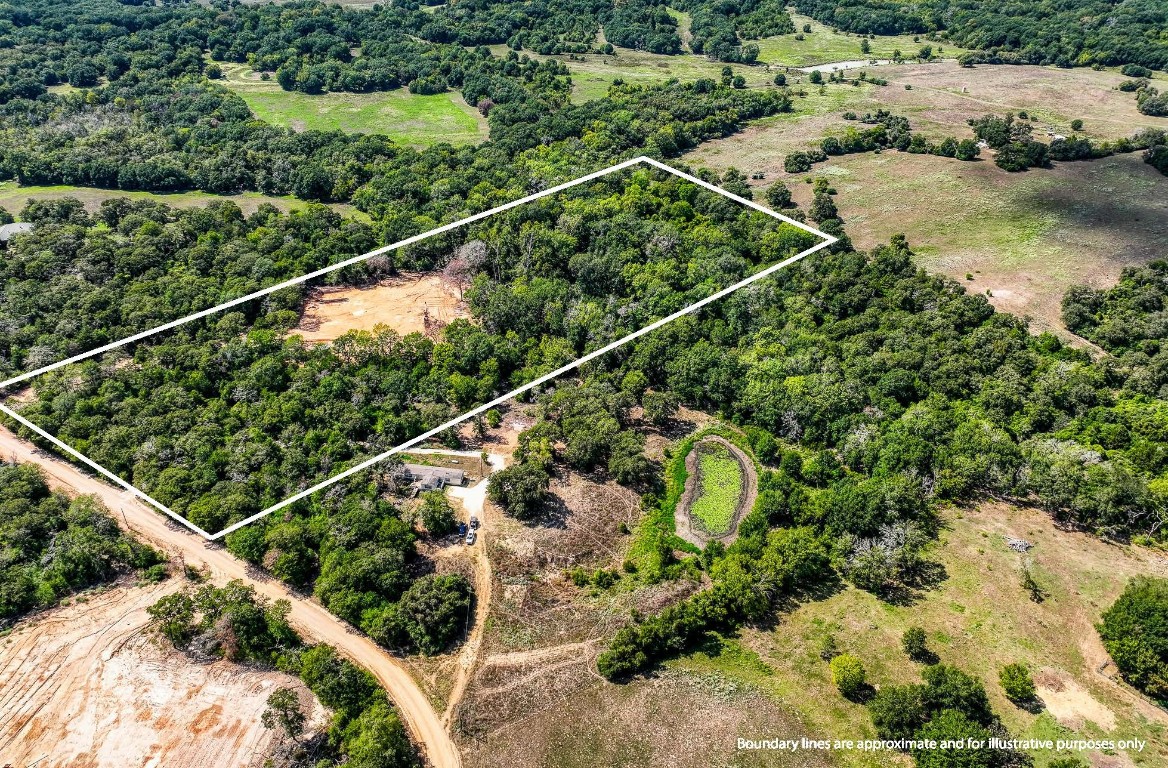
(827,241)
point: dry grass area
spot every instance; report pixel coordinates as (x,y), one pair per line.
(937,98)
(538,650)
(980,619)
(407,304)
(1025,238)
(680,718)
(944,95)
(85,685)
(535,606)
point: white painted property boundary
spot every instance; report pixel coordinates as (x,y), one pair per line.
(826,241)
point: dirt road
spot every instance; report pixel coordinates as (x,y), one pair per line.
(309,618)
(473,500)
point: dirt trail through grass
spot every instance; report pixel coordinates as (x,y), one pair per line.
(473,501)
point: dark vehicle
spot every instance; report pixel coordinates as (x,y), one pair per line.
(474,523)
(462,529)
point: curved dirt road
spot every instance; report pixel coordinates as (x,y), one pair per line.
(473,500)
(309,618)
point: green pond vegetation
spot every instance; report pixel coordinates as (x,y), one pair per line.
(720,488)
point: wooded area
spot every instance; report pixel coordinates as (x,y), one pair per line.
(871,392)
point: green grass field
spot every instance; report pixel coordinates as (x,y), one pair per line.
(406,117)
(719,490)
(592,74)
(824,45)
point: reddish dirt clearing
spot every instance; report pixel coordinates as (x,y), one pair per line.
(86,685)
(402,303)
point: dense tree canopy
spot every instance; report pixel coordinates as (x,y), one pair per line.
(51,546)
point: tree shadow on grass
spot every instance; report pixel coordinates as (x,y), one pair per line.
(553,513)
(862,695)
(911,590)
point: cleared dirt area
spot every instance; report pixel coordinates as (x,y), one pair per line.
(407,304)
(86,685)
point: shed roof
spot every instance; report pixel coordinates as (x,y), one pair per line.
(19,228)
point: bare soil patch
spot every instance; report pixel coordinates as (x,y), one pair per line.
(1070,703)
(407,304)
(85,685)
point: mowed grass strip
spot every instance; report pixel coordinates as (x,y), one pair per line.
(719,488)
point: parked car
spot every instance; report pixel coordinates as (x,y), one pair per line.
(474,523)
(470,537)
(462,529)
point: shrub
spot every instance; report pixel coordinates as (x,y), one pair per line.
(967,149)
(913,642)
(897,711)
(1135,70)
(797,162)
(954,727)
(848,675)
(1017,683)
(437,514)
(949,688)
(519,489)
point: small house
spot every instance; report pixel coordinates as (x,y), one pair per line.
(425,478)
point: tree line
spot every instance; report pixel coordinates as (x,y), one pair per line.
(1067,34)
